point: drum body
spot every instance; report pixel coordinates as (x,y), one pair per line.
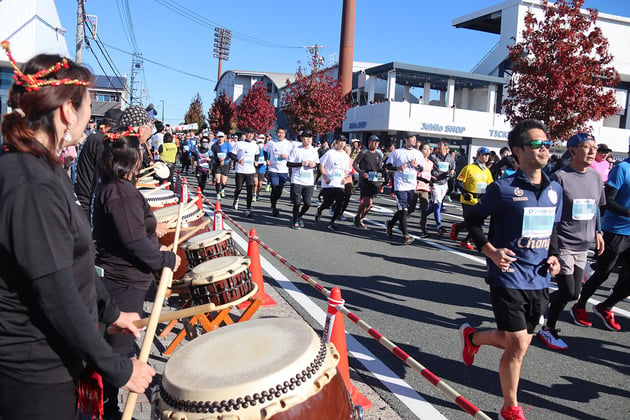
(194,217)
(159,199)
(208,246)
(270,368)
(222,281)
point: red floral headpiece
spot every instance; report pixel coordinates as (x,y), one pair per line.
(127,133)
(35,81)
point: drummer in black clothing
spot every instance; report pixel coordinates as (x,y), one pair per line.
(50,297)
(126,234)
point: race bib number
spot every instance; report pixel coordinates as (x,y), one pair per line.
(443,166)
(538,222)
(336,174)
(221,155)
(278,155)
(306,174)
(186,148)
(261,159)
(481,187)
(583,209)
(372,176)
(248,160)
(410,175)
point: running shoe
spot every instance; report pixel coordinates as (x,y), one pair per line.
(441,231)
(512,413)
(388,230)
(607,316)
(275,212)
(408,240)
(248,213)
(332,226)
(393,195)
(268,187)
(424,234)
(382,189)
(235,204)
(295,226)
(255,198)
(551,338)
(343,218)
(466,245)
(361,225)
(218,196)
(454,232)
(580,317)
(468,349)
(318,214)
(301,222)
(223,193)
(355,221)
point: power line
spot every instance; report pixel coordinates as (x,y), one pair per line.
(200,20)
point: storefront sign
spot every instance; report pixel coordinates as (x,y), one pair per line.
(498,133)
(358,124)
(443,128)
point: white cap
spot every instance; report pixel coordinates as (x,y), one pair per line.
(220,134)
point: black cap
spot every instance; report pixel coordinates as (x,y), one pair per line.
(307,133)
(603,148)
(374,137)
(112,116)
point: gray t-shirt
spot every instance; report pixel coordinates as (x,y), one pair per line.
(583,194)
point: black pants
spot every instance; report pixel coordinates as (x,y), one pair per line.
(299,194)
(331,195)
(202,178)
(248,180)
(22,400)
(128,299)
(617,247)
(466,209)
(423,198)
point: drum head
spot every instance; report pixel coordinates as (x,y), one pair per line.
(152,195)
(243,359)
(161,170)
(216,269)
(165,214)
(206,239)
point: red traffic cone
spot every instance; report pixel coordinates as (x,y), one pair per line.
(256,270)
(337,335)
(183,198)
(199,198)
(218,217)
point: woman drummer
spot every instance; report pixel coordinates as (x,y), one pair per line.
(50,298)
(126,235)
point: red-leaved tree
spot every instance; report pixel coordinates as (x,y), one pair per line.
(560,69)
(255,110)
(222,114)
(315,101)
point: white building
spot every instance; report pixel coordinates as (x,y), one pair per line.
(465,107)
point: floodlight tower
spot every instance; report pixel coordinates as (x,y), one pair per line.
(222,41)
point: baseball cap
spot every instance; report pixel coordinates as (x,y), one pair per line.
(134,116)
(220,134)
(249,130)
(307,133)
(112,116)
(579,138)
(603,148)
(356,140)
(374,137)
(483,151)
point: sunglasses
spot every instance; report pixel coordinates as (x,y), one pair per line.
(537,144)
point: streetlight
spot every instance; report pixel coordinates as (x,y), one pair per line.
(162,102)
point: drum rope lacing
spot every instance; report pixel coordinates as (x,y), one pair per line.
(212,407)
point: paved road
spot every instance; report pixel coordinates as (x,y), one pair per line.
(418,296)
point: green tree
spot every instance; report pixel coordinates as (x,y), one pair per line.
(560,70)
(315,101)
(195,113)
(255,110)
(222,114)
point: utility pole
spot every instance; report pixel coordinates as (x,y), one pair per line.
(136,66)
(222,41)
(80,20)
(162,101)
(346,47)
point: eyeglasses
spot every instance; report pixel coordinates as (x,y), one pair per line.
(537,144)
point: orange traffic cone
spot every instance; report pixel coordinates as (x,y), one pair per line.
(256,270)
(337,335)
(218,217)
(199,198)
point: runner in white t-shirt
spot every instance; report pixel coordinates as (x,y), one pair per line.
(303,159)
(278,152)
(334,166)
(406,162)
(245,155)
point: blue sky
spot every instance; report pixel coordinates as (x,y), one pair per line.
(270,36)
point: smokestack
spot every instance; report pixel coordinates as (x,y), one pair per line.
(346,47)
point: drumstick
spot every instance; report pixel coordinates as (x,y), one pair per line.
(165,283)
(141,185)
(166,184)
(191,233)
(169,316)
(148,168)
(186,210)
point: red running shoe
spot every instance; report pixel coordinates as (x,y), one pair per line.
(608,317)
(512,413)
(580,317)
(467,245)
(454,232)
(468,349)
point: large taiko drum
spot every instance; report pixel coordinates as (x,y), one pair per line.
(270,368)
(208,246)
(192,218)
(160,198)
(224,281)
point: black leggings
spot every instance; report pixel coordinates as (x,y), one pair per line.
(331,195)
(569,286)
(247,179)
(301,193)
